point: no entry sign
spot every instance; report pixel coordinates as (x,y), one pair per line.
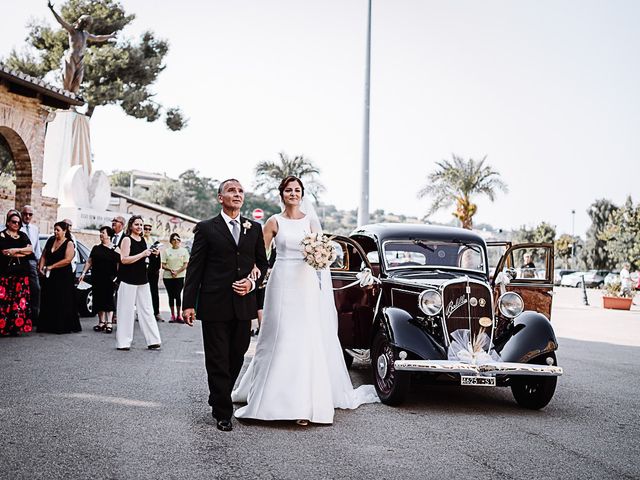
(258,214)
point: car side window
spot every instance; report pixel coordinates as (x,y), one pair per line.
(373,257)
(342,261)
(529,263)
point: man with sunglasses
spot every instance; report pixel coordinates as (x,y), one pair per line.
(33,233)
(118,228)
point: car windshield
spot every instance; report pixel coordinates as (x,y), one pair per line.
(435,254)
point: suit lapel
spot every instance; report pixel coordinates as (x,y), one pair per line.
(222,227)
(243,231)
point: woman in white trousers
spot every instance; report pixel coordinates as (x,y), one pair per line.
(134,289)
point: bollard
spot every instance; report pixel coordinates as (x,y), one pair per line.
(585,300)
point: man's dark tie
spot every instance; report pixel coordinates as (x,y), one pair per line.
(236,230)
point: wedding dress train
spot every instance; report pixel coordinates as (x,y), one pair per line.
(298,371)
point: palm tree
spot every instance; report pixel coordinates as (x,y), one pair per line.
(269,174)
(458,181)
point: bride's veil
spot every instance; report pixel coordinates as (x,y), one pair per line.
(306,207)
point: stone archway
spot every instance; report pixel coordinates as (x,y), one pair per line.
(23,166)
(25,106)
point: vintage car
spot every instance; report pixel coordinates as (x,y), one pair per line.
(437,309)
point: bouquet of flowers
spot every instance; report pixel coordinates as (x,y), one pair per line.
(318,251)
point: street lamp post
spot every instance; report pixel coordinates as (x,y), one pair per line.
(363,210)
(573,238)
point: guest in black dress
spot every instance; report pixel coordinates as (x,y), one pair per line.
(16,250)
(103,262)
(58,310)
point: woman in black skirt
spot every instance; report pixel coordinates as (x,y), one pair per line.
(103,262)
(58,310)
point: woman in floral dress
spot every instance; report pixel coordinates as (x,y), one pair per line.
(15,249)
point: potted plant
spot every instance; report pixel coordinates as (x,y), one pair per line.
(616,298)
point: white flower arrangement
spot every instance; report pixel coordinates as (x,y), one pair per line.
(247,226)
(318,251)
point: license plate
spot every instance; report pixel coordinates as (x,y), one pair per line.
(478,381)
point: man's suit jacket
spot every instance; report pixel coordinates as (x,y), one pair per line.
(216,262)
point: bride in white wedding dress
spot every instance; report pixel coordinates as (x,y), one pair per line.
(298,371)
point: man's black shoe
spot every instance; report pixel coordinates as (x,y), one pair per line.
(225,425)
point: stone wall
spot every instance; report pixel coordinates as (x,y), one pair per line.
(164,224)
(23,125)
(45,213)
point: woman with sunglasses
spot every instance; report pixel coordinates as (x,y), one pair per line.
(58,310)
(16,249)
(174,263)
(134,293)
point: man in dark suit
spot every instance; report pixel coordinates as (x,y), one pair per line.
(225,250)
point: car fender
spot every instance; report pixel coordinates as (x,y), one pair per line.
(532,335)
(405,334)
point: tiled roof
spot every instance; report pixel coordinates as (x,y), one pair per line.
(154,206)
(39,85)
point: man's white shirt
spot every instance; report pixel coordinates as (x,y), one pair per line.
(117,237)
(34,236)
(227,220)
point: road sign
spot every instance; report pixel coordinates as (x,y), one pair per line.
(258,214)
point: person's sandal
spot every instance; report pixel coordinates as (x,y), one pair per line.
(100,327)
(108,328)
(302,423)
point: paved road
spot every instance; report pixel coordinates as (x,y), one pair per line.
(72,406)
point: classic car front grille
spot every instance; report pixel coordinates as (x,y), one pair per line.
(465,302)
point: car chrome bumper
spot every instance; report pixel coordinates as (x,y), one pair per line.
(494,368)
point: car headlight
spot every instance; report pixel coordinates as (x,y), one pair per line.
(430,302)
(510,304)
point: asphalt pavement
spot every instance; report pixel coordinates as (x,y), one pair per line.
(71,406)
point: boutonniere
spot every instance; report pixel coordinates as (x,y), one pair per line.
(246,225)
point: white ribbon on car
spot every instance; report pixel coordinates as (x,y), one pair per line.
(502,280)
(364,278)
(465,349)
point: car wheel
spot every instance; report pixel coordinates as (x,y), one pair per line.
(85,303)
(534,392)
(392,386)
(579,285)
(348,359)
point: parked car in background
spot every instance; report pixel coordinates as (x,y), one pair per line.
(591,279)
(572,279)
(84,297)
(615,277)
(438,311)
(611,278)
(558,273)
(595,278)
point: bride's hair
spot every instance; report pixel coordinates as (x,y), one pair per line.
(289,179)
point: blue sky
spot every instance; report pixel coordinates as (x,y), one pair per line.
(547,90)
